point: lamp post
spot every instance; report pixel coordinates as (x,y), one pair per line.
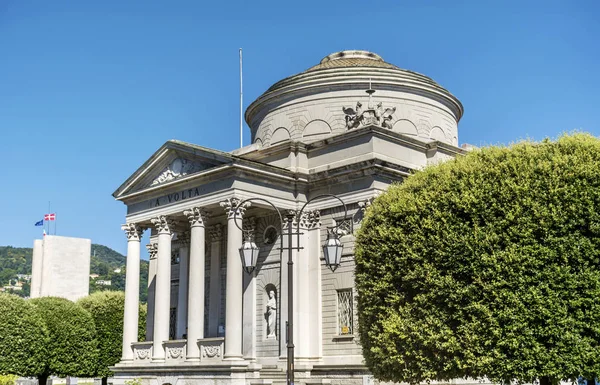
(332,250)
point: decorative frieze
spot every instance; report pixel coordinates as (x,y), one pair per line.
(197,216)
(163,224)
(133,232)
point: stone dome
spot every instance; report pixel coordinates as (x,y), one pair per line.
(348,89)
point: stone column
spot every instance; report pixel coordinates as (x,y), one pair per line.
(197,217)
(132,289)
(183,239)
(162,297)
(249,308)
(313,255)
(214,303)
(234,302)
(152,252)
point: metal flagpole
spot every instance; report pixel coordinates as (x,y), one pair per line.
(241,103)
(48,218)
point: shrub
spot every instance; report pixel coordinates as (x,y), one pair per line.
(486,266)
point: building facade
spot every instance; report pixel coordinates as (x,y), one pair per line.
(349,126)
(60,267)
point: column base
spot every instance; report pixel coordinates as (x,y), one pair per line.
(231,357)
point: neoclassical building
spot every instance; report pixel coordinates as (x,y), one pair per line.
(350,126)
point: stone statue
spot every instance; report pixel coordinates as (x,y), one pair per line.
(271,315)
(387,118)
(353,117)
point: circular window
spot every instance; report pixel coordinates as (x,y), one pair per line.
(270,235)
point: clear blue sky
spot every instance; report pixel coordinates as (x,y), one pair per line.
(90,89)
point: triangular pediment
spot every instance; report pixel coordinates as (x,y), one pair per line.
(175,160)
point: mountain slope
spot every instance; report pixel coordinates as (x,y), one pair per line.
(107,263)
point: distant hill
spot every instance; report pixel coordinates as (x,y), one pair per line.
(106,262)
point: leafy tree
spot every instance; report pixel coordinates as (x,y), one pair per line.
(23,337)
(486,265)
(106,308)
(72,345)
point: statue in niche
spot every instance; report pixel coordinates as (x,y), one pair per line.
(271,315)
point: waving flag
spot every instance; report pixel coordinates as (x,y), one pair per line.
(49,217)
(39,223)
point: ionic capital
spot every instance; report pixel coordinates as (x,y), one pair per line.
(233,209)
(152,250)
(197,216)
(163,224)
(133,232)
(215,232)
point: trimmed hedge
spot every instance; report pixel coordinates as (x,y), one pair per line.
(106,308)
(486,265)
(23,337)
(72,347)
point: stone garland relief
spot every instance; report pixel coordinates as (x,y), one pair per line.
(175,352)
(142,353)
(178,168)
(211,351)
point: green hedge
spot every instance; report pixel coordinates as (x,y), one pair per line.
(106,308)
(72,347)
(487,265)
(23,337)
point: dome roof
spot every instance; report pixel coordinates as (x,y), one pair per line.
(355,59)
(311,104)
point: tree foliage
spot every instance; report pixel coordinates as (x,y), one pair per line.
(487,265)
(106,308)
(72,346)
(23,337)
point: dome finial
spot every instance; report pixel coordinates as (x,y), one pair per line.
(352,54)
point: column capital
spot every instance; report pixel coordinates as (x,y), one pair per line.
(197,216)
(310,219)
(232,205)
(183,238)
(163,224)
(133,231)
(152,250)
(215,232)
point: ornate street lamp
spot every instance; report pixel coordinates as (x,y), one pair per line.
(332,250)
(249,253)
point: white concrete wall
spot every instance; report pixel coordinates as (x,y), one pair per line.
(36,268)
(65,268)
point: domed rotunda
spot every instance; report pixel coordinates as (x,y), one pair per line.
(325,143)
(345,91)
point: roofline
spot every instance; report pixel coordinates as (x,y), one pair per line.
(172,144)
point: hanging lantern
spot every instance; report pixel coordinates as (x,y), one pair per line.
(249,254)
(333,251)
